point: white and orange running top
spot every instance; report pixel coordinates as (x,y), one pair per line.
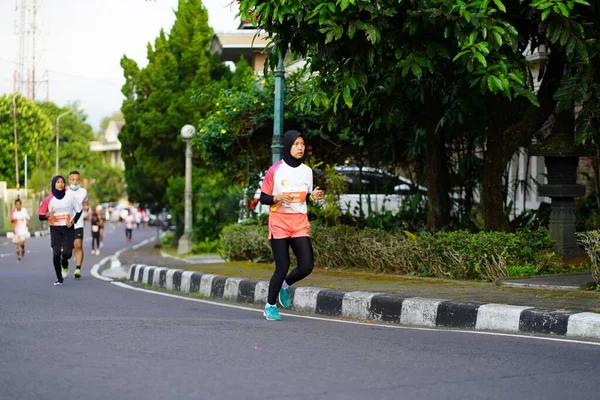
(283,179)
(20,218)
(288,220)
(64,209)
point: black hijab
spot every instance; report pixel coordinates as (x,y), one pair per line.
(288,141)
(59,194)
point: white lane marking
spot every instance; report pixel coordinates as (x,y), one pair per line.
(97,266)
(214,303)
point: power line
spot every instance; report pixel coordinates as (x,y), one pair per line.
(73,75)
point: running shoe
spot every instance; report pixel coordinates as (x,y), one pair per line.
(271,313)
(77,273)
(58,283)
(19,259)
(65,272)
(284,297)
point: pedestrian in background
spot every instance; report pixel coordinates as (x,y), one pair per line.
(62,210)
(19,216)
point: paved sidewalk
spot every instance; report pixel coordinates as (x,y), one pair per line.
(390,298)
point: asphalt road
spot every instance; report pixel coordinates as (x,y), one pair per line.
(91,339)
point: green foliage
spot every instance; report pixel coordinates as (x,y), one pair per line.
(516,271)
(591,244)
(107,184)
(168,239)
(34,135)
(235,134)
(206,247)
(329,212)
(158,102)
(215,202)
(456,255)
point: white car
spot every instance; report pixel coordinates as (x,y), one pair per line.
(380,191)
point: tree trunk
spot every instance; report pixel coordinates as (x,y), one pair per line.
(438,182)
(504,140)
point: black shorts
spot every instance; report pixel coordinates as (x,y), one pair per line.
(78,233)
(61,236)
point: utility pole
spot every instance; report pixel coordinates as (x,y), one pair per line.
(277,145)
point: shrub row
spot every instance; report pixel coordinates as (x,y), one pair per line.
(455,255)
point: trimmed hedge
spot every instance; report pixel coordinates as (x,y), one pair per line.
(455,255)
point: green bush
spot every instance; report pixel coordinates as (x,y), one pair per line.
(516,271)
(456,255)
(591,244)
(168,239)
(206,247)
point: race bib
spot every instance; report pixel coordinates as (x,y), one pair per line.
(297,197)
(95,228)
(60,219)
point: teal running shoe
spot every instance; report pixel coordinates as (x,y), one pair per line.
(271,313)
(284,297)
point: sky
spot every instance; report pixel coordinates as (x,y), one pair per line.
(80,44)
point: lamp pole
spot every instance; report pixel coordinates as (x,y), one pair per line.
(277,145)
(57,135)
(16,142)
(185,243)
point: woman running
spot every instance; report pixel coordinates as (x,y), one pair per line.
(286,187)
(62,210)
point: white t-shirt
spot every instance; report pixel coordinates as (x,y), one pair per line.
(64,209)
(129,221)
(81,195)
(20,219)
(283,179)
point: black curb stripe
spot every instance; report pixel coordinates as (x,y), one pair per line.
(457,314)
(195,280)
(162,278)
(537,320)
(177,279)
(329,302)
(218,286)
(247,290)
(132,271)
(386,307)
(141,273)
(151,275)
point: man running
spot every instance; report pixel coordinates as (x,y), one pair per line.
(20,220)
(82,198)
(95,227)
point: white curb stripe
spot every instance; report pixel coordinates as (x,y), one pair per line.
(305,299)
(186,281)
(206,284)
(584,324)
(156,276)
(419,311)
(146,276)
(232,286)
(357,304)
(499,317)
(169,281)
(261,292)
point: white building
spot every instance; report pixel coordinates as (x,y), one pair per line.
(109,146)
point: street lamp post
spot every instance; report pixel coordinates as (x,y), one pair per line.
(277,145)
(16,140)
(185,243)
(57,135)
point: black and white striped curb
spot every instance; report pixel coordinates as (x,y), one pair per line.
(415,311)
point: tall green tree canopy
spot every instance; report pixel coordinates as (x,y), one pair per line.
(361,48)
(158,102)
(34,132)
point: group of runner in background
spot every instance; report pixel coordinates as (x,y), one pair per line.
(67,209)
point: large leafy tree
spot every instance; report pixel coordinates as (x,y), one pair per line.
(34,132)
(362,49)
(158,102)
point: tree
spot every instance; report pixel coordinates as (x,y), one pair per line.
(158,102)
(354,45)
(34,132)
